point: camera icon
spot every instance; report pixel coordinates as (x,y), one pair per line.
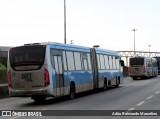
(6,113)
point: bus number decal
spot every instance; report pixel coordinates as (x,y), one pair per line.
(27,77)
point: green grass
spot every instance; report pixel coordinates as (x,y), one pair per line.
(2,67)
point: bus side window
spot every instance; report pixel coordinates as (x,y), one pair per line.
(64,61)
(114,63)
(102,62)
(85,61)
(52,60)
(89,61)
(70,61)
(110,62)
(106,61)
(98,60)
(85,64)
(77,57)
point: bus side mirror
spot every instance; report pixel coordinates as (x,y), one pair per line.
(122,63)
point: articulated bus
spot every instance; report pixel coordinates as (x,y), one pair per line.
(140,67)
(44,70)
(158,64)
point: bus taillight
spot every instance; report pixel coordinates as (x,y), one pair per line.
(145,69)
(129,69)
(9,79)
(47,82)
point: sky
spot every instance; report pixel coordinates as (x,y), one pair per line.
(107,23)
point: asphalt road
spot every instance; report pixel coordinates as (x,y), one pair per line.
(130,96)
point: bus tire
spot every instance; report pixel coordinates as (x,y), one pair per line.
(134,78)
(39,99)
(155,74)
(117,83)
(105,87)
(72,91)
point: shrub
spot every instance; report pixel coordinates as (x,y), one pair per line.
(3,76)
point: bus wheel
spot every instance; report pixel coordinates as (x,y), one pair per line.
(117,83)
(72,92)
(39,99)
(105,85)
(134,78)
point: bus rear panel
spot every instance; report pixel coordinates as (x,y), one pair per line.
(140,67)
(28,74)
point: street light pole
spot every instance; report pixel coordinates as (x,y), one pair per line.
(71,42)
(134,42)
(149,49)
(65,22)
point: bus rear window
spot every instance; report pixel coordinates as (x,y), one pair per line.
(137,61)
(27,56)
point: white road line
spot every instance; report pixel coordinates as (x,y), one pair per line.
(150,97)
(157,92)
(14,117)
(141,103)
(116,118)
(131,109)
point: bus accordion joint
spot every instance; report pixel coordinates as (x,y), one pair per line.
(9,79)
(47,82)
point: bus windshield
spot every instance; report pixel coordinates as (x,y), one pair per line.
(27,55)
(136,61)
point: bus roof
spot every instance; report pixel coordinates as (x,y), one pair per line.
(70,47)
(106,51)
(82,48)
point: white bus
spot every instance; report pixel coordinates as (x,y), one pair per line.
(140,67)
(54,69)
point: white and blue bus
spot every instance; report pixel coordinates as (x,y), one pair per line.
(158,64)
(140,67)
(44,70)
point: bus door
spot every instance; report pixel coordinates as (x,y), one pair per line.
(59,75)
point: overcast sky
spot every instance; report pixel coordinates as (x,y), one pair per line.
(107,23)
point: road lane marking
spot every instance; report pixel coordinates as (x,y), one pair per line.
(15,117)
(150,97)
(131,109)
(141,103)
(157,92)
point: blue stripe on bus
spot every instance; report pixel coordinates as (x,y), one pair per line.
(79,77)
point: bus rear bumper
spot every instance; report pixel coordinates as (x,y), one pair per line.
(137,75)
(27,93)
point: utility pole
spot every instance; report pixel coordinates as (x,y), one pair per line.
(65,41)
(149,49)
(72,42)
(134,30)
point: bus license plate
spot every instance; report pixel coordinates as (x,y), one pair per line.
(137,69)
(27,77)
